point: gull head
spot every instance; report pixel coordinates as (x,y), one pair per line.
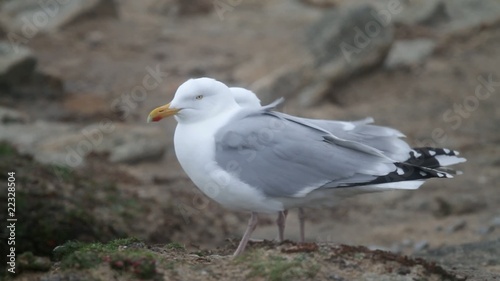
(245,98)
(196,100)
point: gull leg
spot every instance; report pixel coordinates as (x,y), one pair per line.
(252,223)
(280,222)
(302,217)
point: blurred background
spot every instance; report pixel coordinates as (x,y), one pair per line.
(78,78)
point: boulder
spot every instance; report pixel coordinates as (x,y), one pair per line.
(16,66)
(8,116)
(19,77)
(449,16)
(406,53)
(346,42)
(26,18)
(69,145)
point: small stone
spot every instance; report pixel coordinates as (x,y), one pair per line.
(405,53)
(8,116)
(459,225)
(378,247)
(421,245)
(403,270)
(486,229)
(406,242)
(17,13)
(17,64)
(495,221)
(94,38)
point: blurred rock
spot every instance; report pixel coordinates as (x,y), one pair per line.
(322,3)
(486,229)
(405,53)
(457,226)
(16,66)
(11,116)
(421,245)
(69,145)
(94,38)
(456,205)
(425,12)
(182,7)
(85,106)
(449,15)
(472,258)
(40,85)
(2,32)
(465,14)
(19,78)
(137,151)
(26,18)
(283,82)
(495,221)
(346,42)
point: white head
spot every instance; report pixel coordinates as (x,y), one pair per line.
(245,98)
(196,100)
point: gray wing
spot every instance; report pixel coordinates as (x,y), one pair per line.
(385,139)
(285,158)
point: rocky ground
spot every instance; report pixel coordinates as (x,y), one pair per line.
(77,84)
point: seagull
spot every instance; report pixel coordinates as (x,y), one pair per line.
(262,161)
(247,98)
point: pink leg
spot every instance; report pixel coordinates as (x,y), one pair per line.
(252,223)
(302,217)
(280,222)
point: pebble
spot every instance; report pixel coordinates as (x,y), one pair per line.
(486,229)
(457,226)
(406,242)
(495,221)
(94,38)
(421,245)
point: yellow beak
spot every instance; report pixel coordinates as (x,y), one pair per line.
(161,112)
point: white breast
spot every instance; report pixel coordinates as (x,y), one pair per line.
(195,150)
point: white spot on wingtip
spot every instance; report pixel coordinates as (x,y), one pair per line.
(432,152)
(423,174)
(416,154)
(446,150)
(456,152)
(400,171)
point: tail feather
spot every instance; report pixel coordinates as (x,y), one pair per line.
(434,158)
(424,163)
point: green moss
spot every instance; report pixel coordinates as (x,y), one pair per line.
(64,173)
(175,246)
(278,268)
(121,254)
(140,263)
(73,246)
(81,260)
(29,262)
(6,149)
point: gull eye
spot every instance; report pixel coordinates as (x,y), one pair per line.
(199,97)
